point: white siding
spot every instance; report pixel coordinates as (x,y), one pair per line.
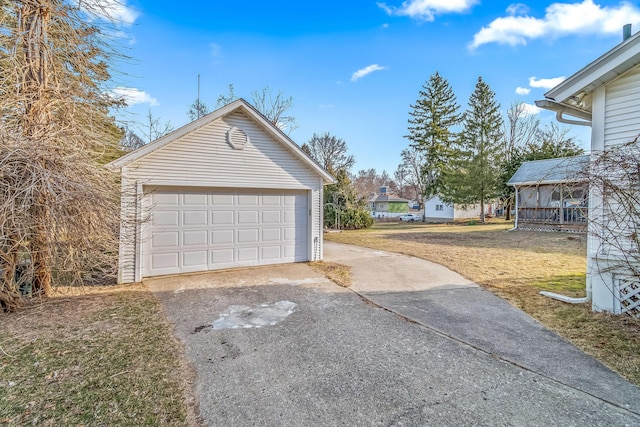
(622,109)
(430,212)
(203,158)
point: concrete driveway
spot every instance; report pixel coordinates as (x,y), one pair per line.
(283,346)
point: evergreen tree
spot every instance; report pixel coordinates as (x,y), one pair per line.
(434,115)
(472,175)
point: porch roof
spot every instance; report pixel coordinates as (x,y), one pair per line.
(551,171)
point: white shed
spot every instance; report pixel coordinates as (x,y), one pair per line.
(605,95)
(227,190)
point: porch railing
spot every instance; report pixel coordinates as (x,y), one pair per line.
(564,216)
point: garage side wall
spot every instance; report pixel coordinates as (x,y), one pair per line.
(205,159)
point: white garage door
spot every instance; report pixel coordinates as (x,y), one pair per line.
(201,230)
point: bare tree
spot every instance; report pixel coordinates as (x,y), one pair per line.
(131,140)
(152,129)
(521,131)
(367,181)
(330,152)
(614,221)
(416,174)
(58,206)
(228,98)
(274,107)
(401,179)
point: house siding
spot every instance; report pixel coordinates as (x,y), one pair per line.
(203,158)
(622,109)
(620,124)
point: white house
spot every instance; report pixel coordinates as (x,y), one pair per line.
(606,96)
(435,210)
(227,190)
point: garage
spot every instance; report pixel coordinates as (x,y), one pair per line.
(228,190)
(199,230)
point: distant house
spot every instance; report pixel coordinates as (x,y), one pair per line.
(435,210)
(605,95)
(552,194)
(387,205)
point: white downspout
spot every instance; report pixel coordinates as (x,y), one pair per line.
(570,300)
(559,297)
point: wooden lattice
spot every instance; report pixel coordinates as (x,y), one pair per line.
(629,291)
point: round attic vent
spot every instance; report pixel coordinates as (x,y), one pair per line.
(237,138)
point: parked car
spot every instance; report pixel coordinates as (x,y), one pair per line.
(409,218)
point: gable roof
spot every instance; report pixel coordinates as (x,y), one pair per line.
(387,198)
(551,171)
(238,105)
(573,95)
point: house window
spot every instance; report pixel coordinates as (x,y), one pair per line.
(439,207)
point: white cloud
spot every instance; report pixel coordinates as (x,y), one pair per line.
(560,19)
(523,90)
(426,10)
(366,70)
(133,96)
(529,109)
(546,83)
(115,10)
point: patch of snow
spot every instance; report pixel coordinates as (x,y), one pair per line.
(242,316)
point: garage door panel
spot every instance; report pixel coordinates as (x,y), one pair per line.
(271,200)
(222,217)
(248,236)
(219,237)
(194,199)
(248,200)
(271,252)
(222,199)
(165,199)
(194,238)
(271,234)
(195,217)
(247,217)
(195,259)
(170,218)
(165,261)
(199,230)
(221,256)
(271,217)
(247,254)
(167,239)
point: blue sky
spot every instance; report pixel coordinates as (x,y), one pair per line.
(355,67)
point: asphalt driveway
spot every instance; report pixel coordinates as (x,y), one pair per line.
(283,346)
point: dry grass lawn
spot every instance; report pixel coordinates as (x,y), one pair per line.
(516,265)
(93,356)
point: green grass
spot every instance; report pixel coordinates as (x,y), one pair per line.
(100,360)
